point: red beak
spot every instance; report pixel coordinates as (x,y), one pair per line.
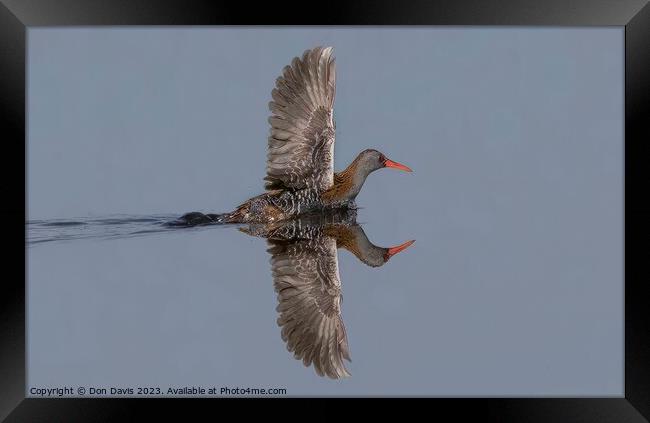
(390,163)
(394,250)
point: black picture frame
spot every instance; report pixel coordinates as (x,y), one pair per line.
(16,16)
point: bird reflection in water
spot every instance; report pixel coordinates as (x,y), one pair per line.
(304,266)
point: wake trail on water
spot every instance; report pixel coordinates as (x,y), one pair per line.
(113,227)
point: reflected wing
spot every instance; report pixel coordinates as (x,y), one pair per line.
(306,279)
(301,143)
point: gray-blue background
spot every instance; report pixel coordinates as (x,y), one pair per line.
(515,283)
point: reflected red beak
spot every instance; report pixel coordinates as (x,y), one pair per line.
(390,163)
(394,250)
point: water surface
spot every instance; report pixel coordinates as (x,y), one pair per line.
(515,136)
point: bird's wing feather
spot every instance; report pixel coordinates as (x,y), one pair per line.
(301,141)
(306,279)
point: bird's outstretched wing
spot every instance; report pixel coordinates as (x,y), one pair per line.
(306,279)
(301,141)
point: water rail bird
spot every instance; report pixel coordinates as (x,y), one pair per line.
(300,175)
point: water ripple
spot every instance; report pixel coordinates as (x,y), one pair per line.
(107,227)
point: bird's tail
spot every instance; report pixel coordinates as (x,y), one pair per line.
(199,219)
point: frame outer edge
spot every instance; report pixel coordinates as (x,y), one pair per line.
(12,99)
(12,301)
(637,152)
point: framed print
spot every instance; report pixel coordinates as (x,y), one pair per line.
(436,200)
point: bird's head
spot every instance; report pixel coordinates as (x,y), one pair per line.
(375,256)
(354,239)
(372,160)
